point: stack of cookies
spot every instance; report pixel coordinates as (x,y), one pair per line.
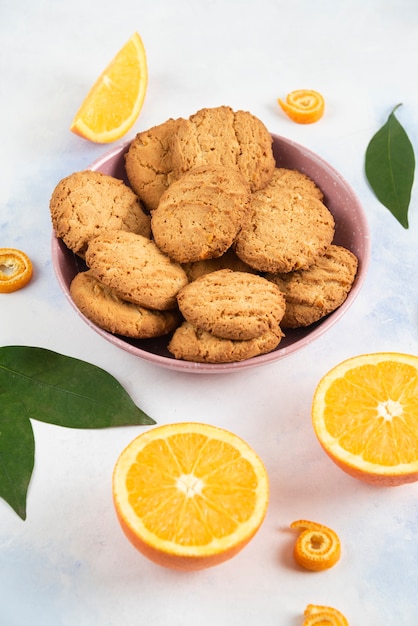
(210,243)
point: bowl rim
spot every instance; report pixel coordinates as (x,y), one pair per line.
(321,328)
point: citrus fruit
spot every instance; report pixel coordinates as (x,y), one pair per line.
(15,270)
(189,495)
(323,616)
(365,415)
(115,100)
(303,106)
(317,547)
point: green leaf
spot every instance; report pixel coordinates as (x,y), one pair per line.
(390,166)
(65,391)
(17,450)
(36,383)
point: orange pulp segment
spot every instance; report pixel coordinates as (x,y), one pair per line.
(115,100)
(189,495)
(303,106)
(316,615)
(317,547)
(15,270)
(365,415)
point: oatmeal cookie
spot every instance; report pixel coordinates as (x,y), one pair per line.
(105,309)
(192,344)
(313,293)
(232,305)
(148,163)
(200,215)
(135,269)
(87,203)
(285,231)
(221,136)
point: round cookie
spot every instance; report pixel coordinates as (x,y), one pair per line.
(135,269)
(86,203)
(313,293)
(285,230)
(105,309)
(232,305)
(192,344)
(229,260)
(221,136)
(200,215)
(148,163)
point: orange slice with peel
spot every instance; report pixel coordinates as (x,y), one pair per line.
(115,100)
(317,547)
(365,415)
(188,495)
(303,106)
(317,615)
(15,270)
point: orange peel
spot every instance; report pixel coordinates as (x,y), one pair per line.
(317,547)
(303,106)
(15,270)
(323,616)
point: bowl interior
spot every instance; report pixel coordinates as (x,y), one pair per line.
(351,232)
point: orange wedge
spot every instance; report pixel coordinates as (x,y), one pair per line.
(189,496)
(365,415)
(115,100)
(316,615)
(15,270)
(317,547)
(303,106)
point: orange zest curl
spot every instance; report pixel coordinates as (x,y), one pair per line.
(15,270)
(322,616)
(317,547)
(303,106)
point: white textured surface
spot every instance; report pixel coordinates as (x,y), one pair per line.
(69,563)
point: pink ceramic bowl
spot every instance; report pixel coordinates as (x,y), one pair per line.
(351,232)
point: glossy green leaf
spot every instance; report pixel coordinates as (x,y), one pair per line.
(65,391)
(36,383)
(390,167)
(17,450)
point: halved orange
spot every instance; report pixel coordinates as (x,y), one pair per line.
(365,415)
(303,106)
(189,495)
(317,547)
(115,100)
(15,270)
(317,615)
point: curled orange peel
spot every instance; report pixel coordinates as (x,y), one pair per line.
(317,547)
(15,270)
(303,106)
(323,616)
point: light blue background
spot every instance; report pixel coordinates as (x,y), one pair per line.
(69,563)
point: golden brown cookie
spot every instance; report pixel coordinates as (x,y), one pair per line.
(86,203)
(313,293)
(200,215)
(221,136)
(135,269)
(105,309)
(148,163)
(232,305)
(191,344)
(293,180)
(285,231)
(229,260)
